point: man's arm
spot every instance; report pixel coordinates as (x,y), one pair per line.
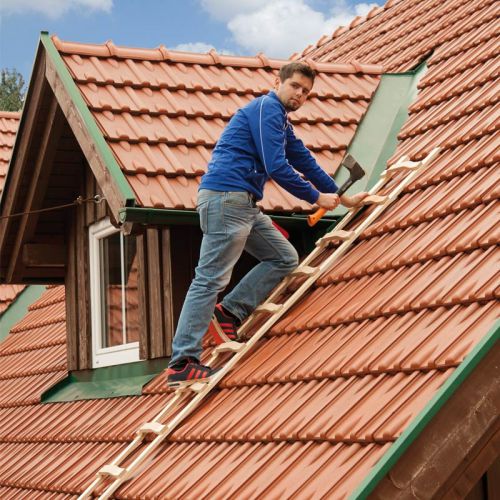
(269,137)
(303,161)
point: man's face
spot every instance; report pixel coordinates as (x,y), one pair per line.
(293,91)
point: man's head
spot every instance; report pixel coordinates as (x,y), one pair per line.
(293,85)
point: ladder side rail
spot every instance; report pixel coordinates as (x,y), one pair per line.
(384,178)
(215,379)
(138,439)
(132,445)
(281,287)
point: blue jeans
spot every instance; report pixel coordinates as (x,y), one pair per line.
(231,223)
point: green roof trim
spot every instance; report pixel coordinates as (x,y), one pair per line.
(376,137)
(164,216)
(103,383)
(401,444)
(19,308)
(100,143)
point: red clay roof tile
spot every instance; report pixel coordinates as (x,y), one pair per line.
(162,112)
(9,121)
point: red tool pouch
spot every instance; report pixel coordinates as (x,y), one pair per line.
(284,232)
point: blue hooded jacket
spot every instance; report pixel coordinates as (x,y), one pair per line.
(259,143)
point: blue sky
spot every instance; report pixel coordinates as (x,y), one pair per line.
(244,27)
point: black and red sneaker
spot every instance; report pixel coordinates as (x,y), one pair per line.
(223,327)
(184,374)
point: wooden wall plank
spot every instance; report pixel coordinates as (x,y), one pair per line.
(157,342)
(83,289)
(167,290)
(70,283)
(90,190)
(143,287)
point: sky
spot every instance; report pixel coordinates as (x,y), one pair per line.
(243,27)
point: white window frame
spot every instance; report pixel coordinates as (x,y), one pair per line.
(105,356)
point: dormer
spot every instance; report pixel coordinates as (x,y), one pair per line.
(104,174)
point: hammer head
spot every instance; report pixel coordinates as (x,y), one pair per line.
(355,170)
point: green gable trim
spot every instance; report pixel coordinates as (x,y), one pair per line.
(89,121)
(104,383)
(19,308)
(376,139)
(427,414)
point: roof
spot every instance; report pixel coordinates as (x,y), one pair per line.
(8,294)
(161,112)
(402,33)
(9,121)
(337,381)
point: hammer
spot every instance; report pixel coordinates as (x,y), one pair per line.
(355,173)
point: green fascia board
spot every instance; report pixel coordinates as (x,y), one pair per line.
(19,308)
(101,145)
(170,217)
(376,137)
(385,464)
(103,383)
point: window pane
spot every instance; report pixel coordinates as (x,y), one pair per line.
(112,294)
(120,295)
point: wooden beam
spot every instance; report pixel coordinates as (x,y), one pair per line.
(168,304)
(157,341)
(25,138)
(83,290)
(71,279)
(39,179)
(113,195)
(44,255)
(143,287)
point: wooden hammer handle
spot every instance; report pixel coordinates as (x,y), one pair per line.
(316,216)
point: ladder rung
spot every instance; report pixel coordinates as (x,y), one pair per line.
(405,166)
(154,427)
(111,470)
(375,199)
(231,346)
(340,234)
(304,271)
(268,308)
(197,386)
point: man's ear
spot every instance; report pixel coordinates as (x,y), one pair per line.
(277,83)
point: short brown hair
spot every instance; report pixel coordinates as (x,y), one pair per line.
(289,69)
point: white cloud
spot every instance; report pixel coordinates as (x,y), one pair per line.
(53,8)
(281,27)
(225,10)
(200,47)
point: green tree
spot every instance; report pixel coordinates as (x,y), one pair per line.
(11,90)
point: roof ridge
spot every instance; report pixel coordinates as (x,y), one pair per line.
(162,54)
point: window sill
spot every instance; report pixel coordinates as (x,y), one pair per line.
(104,383)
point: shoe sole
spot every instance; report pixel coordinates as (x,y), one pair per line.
(186,383)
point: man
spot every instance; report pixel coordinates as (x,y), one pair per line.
(257,144)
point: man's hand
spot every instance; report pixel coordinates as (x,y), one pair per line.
(353,201)
(328,201)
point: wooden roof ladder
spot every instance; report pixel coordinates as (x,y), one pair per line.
(192,396)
